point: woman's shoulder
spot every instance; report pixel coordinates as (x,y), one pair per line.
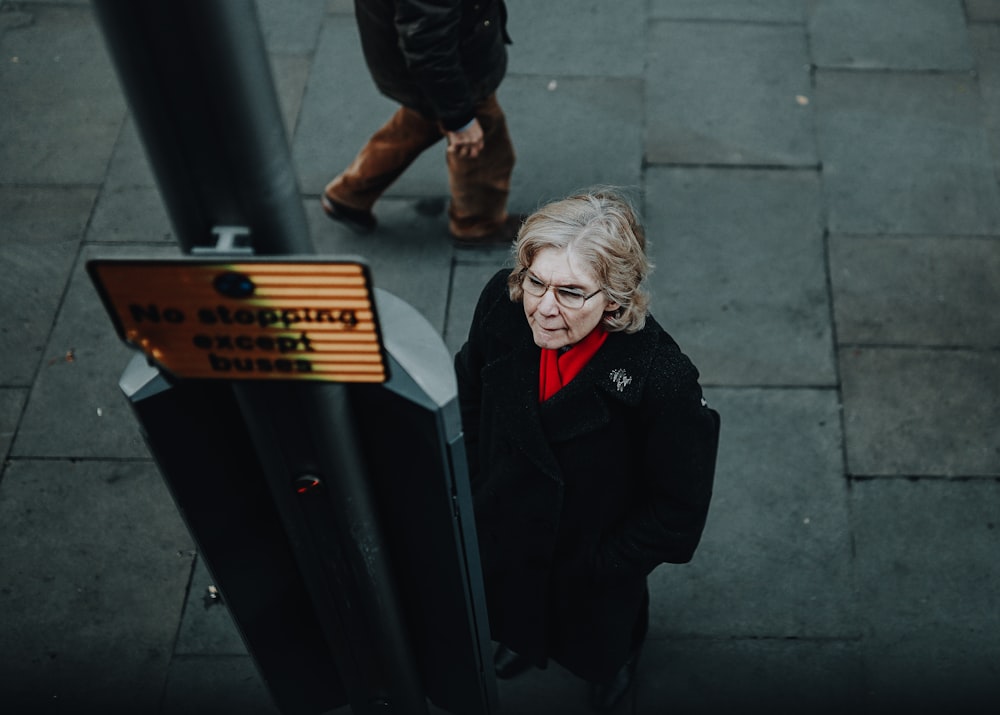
(494,300)
(668,367)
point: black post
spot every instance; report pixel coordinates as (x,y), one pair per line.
(199,85)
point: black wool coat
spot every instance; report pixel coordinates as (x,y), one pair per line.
(438,57)
(578,498)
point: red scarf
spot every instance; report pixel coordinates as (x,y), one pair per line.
(557,369)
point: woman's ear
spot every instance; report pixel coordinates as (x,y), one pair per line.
(610,306)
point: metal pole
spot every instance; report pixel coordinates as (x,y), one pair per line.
(199,85)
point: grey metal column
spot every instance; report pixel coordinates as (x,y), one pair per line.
(199,86)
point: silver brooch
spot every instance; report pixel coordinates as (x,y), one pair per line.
(621,379)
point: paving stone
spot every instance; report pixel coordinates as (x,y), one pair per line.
(340,110)
(923,546)
(39,236)
(11,403)
(985,41)
(340,6)
(552,691)
(576,38)
(905,154)
(927,675)
(916,290)
(890,34)
(64,106)
(916,412)
(129,166)
(194,687)
(290,75)
(96,562)
(779,507)
(131,214)
(207,627)
(76,408)
(409,254)
(740,281)
(290,27)
(721,93)
(597,138)
(712,676)
(982,10)
(743,10)
(539,692)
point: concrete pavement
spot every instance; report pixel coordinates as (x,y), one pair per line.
(819,180)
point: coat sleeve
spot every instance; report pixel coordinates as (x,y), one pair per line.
(677,469)
(429,36)
(469,363)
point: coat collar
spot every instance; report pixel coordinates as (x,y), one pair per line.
(618,371)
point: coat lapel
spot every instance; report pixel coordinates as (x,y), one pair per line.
(513,379)
(617,372)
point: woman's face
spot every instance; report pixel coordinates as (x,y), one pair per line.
(553,325)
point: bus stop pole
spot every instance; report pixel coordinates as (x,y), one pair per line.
(198,82)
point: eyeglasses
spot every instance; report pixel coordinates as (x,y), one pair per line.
(566,297)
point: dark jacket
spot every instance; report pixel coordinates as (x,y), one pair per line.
(439,57)
(578,498)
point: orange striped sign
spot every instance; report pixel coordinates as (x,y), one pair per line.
(247,320)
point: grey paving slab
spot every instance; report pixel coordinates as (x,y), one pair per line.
(409,254)
(207,627)
(129,165)
(712,676)
(573,38)
(920,674)
(130,207)
(11,403)
(927,583)
(917,412)
(540,692)
(593,136)
(76,408)
(905,154)
(131,214)
(216,684)
(552,691)
(40,235)
(290,27)
(916,290)
(982,10)
(775,557)
(739,278)
(95,565)
(340,110)
(290,74)
(890,34)
(724,93)
(743,10)
(63,105)
(985,41)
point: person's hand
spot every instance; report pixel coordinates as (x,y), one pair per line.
(466,143)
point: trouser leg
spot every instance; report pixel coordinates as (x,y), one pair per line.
(480,186)
(381,161)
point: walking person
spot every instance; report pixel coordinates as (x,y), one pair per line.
(442,60)
(591,449)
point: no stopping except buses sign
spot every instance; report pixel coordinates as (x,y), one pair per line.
(247,319)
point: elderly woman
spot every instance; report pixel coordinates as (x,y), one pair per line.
(591,450)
